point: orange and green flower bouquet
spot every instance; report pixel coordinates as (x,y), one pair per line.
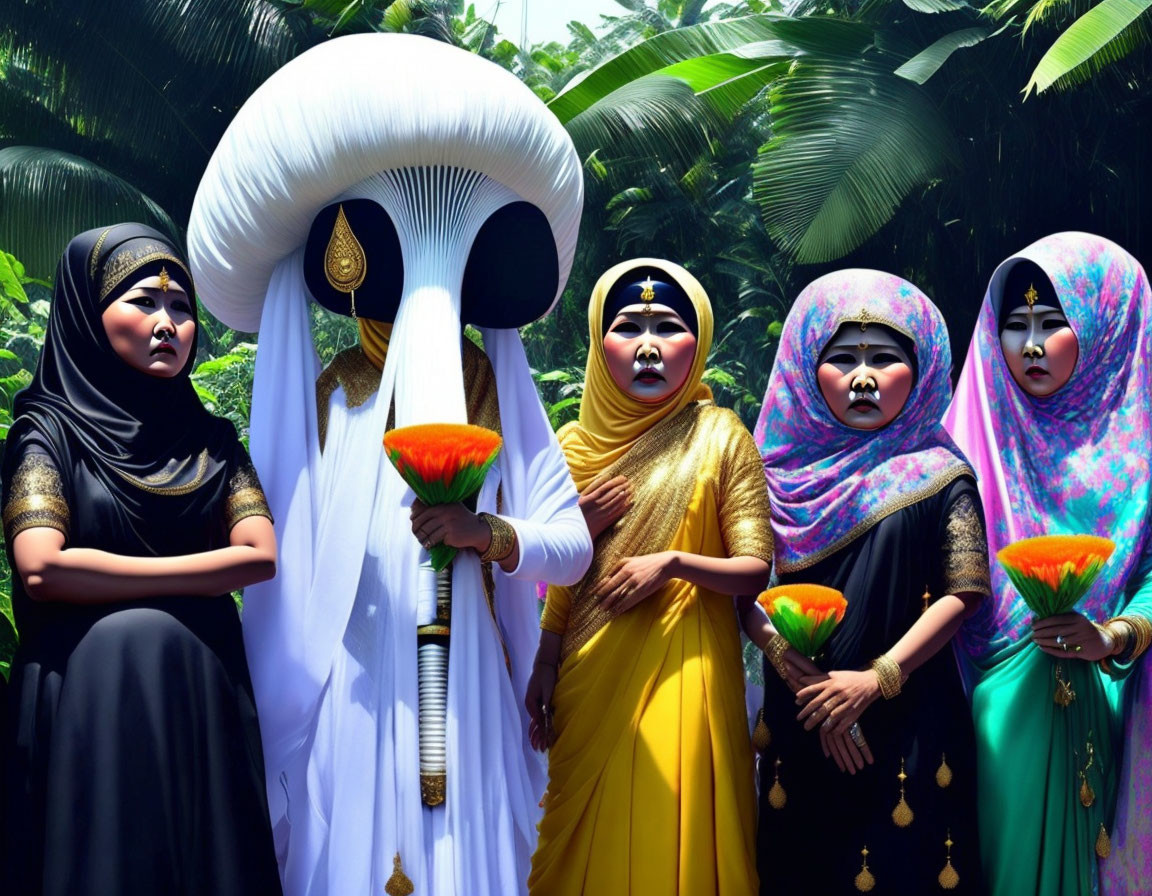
(1052,572)
(805,615)
(443,463)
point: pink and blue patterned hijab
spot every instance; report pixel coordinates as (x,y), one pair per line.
(1077,461)
(828,482)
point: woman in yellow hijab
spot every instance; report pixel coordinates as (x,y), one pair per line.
(638,687)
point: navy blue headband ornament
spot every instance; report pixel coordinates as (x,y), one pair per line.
(648,287)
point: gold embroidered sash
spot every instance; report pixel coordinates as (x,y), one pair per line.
(662,468)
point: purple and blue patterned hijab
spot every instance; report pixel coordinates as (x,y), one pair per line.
(828,482)
(1077,461)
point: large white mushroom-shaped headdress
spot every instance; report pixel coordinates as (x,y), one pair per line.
(354,107)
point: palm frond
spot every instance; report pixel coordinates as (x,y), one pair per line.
(850,142)
(47,197)
(653,117)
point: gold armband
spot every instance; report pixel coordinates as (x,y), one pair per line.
(888,672)
(503,538)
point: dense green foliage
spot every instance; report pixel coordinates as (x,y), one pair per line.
(759,143)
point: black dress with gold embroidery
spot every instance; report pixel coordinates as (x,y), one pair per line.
(815,842)
(131,758)
(132,752)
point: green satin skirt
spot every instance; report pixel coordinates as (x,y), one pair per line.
(1036,771)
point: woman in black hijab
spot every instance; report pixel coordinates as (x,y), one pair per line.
(132,759)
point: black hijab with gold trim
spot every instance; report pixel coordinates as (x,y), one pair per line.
(144,438)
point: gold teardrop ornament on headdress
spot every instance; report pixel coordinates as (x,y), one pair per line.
(902,815)
(1030,296)
(1103,843)
(948,878)
(777,798)
(345,264)
(164,279)
(761,735)
(864,880)
(944,773)
(399,884)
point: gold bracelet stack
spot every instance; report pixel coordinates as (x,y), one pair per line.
(1135,632)
(503,538)
(775,653)
(888,672)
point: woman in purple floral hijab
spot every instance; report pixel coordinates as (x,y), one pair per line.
(1054,411)
(871,497)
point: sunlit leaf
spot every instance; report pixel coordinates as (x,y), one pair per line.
(1105,34)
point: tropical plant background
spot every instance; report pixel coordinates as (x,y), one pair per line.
(761,143)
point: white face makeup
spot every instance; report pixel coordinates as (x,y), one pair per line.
(865,376)
(151,328)
(1040,348)
(649,351)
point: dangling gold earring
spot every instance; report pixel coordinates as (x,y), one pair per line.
(902,815)
(761,735)
(1087,794)
(944,773)
(948,878)
(345,263)
(865,880)
(777,798)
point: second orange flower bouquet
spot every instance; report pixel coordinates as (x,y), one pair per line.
(1052,572)
(805,615)
(443,463)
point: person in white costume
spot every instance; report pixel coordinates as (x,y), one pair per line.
(469,167)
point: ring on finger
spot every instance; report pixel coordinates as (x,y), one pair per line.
(1063,646)
(857,735)
(1060,641)
(1075,648)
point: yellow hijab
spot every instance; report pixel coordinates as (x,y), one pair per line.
(611,421)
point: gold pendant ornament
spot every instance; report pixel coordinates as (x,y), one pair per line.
(1103,843)
(902,815)
(761,735)
(864,879)
(948,877)
(944,773)
(345,263)
(164,279)
(399,884)
(927,598)
(1030,295)
(1064,693)
(777,798)
(647,296)
(1087,794)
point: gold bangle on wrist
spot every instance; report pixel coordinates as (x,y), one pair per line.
(503,538)
(1135,632)
(888,673)
(775,653)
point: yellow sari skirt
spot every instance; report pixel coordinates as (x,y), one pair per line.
(651,785)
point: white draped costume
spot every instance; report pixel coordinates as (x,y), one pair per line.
(441,139)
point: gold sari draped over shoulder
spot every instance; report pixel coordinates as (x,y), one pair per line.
(651,777)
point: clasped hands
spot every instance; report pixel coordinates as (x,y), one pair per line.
(834,701)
